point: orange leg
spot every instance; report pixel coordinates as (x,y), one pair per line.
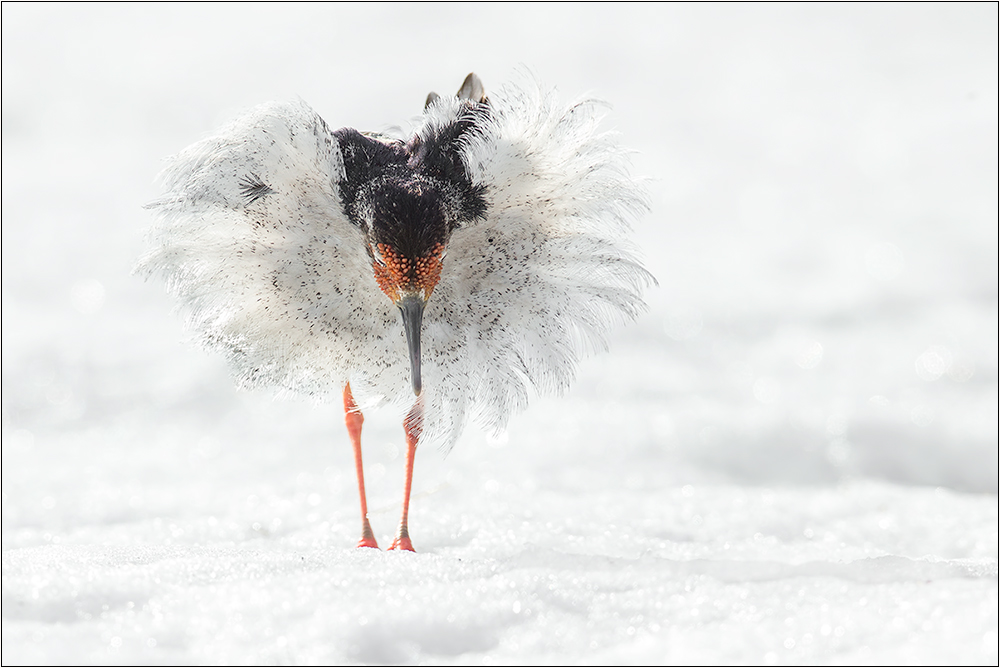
(354,419)
(414,425)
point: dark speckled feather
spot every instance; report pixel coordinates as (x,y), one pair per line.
(266,235)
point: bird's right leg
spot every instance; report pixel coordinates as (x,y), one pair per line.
(414,426)
(354,419)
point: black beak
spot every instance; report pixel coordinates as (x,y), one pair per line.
(412,308)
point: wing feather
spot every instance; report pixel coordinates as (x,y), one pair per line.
(252,237)
(546,276)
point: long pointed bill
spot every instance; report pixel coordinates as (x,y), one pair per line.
(411,306)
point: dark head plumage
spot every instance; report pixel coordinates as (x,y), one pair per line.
(407,199)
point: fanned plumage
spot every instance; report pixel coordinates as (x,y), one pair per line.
(254,239)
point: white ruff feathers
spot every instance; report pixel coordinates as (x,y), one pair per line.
(283,285)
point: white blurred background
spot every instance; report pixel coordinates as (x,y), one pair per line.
(823,229)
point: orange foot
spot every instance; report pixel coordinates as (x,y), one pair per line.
(402,543)
(367,535)
(367,541)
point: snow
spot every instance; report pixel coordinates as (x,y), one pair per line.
(791,458)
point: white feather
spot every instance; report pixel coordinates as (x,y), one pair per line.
(283,285)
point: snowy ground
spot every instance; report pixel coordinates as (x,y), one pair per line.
(791,458)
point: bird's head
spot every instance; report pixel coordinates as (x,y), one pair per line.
(408,198)
(407,239)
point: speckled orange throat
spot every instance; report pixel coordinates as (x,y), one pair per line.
(397,273)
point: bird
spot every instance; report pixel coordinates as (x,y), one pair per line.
(451,271)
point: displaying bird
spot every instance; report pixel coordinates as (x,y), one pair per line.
(450,270)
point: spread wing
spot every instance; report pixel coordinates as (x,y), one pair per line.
(548,273)
(252,237)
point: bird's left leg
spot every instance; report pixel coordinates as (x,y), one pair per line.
(413,425)
(354,419)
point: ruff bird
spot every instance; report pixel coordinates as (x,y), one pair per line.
(448,271)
